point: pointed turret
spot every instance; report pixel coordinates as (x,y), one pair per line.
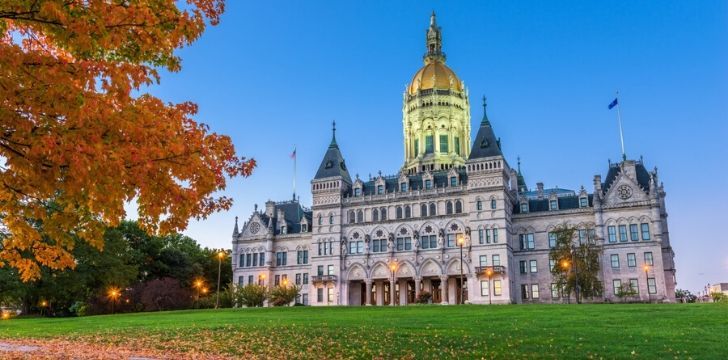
(433,42)
(333,163)
(486,144)
(521,181)
(235,230)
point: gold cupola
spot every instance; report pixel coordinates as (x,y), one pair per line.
(436,112)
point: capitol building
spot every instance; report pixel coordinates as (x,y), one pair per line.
(385,240)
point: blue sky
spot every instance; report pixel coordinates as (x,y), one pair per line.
(274,74)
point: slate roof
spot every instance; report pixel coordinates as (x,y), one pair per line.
(391,183)
(333,163)
(541,205)
(643,176)
(486,144)
(293,213)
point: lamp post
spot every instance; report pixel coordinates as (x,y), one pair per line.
(113,294)
(461,242)
(565,266)
(393,267)
(489,272)
(220,256)
(576,273)
(647,283)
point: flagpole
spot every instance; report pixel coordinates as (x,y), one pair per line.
(621,135)
(295,158)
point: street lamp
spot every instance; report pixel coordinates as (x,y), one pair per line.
(565,266)
(489,273)
(197,284)
(461,242)
(647,283)
(576,273)
(113,294)
(393,267)
(220,256)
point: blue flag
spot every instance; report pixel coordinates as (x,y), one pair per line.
(613,104)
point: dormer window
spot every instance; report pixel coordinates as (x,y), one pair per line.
(583,201)
(380,189)
(553,204)
(524,207)
(304,227)
(403,187)
(284,230)
(357,192)
(453,181)
(428,184)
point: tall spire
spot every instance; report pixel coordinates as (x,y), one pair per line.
(333,134)
(485,115)
(235,230)
(433,42)
(521,181)
(519,164)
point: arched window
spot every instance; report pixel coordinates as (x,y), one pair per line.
(433,209)
(458,207)
(479,205)
(398,212)
(320,220)
(407,212)
(375,215)
(423,210)
(448,208)
(331,219)
(383,213)
(359,216)
(493,204)
(351,217)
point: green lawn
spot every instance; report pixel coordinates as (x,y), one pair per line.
(698,331)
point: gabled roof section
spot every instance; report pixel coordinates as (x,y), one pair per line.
(486,144)
(333,162)
(643,176)
(293,214)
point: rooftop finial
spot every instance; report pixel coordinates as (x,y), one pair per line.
(485,120)
(235,230)
(519,164)
(433,42)
(333,134)
(432,19)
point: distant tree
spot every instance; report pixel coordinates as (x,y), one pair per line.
(283,295)
(165,294)
(719,297)
(685,296)
(251,295)
(576,263)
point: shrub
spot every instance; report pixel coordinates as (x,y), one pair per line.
(625,291)
(719,297)
(250,295)
(165,294)
(424,297)
(283,295)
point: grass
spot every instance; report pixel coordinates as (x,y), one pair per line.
(698,331)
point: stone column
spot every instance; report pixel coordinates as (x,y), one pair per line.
(417,287)
(369,292)
(380,292)
(443,288)
(392,300)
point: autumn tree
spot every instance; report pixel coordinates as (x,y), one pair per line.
(576,261)
(79,137)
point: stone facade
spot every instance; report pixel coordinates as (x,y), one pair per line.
(389,238)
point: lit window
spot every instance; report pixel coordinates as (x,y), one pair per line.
(497,288)
(484,288)
(331,295)
(534,291)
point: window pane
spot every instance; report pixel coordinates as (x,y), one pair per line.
(428,144)
(633,234)
(443,144)
(622,233)
(645,231)
(612,234)
(484,288)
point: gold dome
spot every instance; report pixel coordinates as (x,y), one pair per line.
(433,75)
